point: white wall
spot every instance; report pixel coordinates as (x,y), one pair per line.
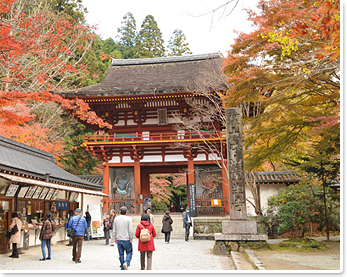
(90,200)
(266,191)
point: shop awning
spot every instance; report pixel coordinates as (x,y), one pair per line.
(50,185)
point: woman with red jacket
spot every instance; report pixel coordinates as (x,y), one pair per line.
(146,247)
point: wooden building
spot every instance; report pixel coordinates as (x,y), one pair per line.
(32,184)
(139,98)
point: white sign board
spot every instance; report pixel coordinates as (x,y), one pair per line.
(97,224)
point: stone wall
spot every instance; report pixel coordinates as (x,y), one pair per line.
(204,228)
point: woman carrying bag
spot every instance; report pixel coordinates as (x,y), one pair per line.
(145,247)
(15,228)
(167,228)
(46,234)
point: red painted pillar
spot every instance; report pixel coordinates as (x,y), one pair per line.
(137,185)
(225,188)
(106,177)
(190,177)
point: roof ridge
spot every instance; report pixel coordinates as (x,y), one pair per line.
(171,59)
(15,145)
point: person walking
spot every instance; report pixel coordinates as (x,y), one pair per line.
(46,234)
(167,226)
(112,217)
(107,224)
(79,224)
(151,216)
(89,220)
(187,222)
(123,234)
(71,214)
(146,247)
(15,236)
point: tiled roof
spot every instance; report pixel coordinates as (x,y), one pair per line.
(155,76)
(288,177)
(95,179)
(21,159)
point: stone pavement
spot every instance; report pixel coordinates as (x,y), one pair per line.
(177,256)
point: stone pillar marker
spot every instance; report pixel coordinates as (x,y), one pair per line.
(238,229)
(238,223)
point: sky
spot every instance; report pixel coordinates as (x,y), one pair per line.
(206,32)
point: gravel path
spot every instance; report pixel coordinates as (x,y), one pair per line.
(96,256)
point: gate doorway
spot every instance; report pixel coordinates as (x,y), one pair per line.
(164,185)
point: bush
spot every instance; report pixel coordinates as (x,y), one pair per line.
(159,207)
(296,207)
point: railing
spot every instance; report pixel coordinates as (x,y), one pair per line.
(154,137)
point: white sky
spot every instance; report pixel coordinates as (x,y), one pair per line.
(175,14)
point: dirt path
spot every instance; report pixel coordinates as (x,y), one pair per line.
(328,259)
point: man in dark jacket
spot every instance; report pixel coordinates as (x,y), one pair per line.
(70,215)
(89,220)
(79,224)
(187,222)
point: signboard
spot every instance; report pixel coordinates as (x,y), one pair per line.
(22,192)
(54,196)
(37,193)
(62,205)
(49,194)
(30,192)
(97,222)
(11,191)
(43,193)
(192,199)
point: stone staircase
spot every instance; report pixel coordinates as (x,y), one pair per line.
(177,225)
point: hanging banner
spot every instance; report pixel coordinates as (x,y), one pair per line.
(97,221)
(192,199)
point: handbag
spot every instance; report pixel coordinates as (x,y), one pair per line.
(72,232)
(8,234)
(162,230)
(14,229)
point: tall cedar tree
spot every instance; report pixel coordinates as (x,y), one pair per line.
(149,42)
(72,10)
(283,66)
(127,35)
(178,45)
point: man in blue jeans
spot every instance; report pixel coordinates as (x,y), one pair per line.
(79,224)
(123,234)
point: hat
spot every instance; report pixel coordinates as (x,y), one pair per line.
(123,210)
(78,210)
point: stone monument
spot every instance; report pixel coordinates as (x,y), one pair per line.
(238,228)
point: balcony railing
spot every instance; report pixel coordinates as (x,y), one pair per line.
(155,137)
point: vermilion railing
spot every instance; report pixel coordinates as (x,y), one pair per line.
(155,137)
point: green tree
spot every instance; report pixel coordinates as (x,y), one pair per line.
(178,45)
(70,9)
(297,206)
(149,42)
(127,35)
(77,160)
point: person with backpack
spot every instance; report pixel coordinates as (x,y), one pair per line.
(46,234)
(79,224)
(145,232)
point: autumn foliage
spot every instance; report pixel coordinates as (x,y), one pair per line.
(40,55)
(287,71)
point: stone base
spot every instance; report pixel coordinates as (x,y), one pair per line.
(240,237)
(239,227)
